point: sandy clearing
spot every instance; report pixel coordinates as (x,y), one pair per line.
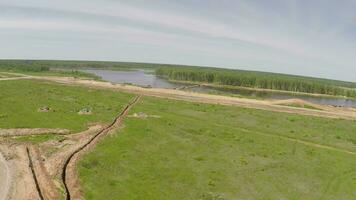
(22,183)
(47,168)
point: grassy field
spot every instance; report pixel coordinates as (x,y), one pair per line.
(21,100)
(179,150)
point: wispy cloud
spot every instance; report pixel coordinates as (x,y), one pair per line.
(299,37)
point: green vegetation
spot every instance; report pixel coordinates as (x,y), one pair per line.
(22,99)
(22,65)
(261,80)
(209,152)
(45,65)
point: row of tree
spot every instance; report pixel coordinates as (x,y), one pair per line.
(259,80)
(22,66)
(43,65)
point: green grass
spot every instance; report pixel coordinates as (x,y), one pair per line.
(209,152)
(21,99)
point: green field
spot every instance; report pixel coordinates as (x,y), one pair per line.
(209,152)
(181,150)
(20,101)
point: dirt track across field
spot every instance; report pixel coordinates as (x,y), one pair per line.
(34,131)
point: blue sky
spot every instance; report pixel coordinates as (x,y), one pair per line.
(305,37)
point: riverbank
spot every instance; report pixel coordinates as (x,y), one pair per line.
(272,105)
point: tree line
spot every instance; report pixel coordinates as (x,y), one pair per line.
(261,80)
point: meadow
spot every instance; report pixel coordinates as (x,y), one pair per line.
(170,149)
(21,101)
(180,150)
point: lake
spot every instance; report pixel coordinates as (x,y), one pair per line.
(144,79)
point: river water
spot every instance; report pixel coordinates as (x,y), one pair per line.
(144,79)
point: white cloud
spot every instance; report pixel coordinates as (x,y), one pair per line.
(245,33)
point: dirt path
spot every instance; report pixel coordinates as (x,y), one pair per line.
(5,178)
(69,176)
(33,131)
(15,78)
(22,183)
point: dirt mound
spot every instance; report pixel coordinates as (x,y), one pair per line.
(44,109)
(85,111)
(142,115)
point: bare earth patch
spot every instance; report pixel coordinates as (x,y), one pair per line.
(29,131)
(47,161)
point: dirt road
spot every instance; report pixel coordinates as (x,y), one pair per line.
(5,178)
(15,78)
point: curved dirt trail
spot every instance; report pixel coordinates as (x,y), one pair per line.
(15,78)
(69,177)
(5,178)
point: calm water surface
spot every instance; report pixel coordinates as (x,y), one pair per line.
(141,78)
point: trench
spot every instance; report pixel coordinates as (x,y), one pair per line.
(116,122)
(40,194)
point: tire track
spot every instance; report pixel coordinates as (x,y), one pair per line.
(114,124)
(40,194)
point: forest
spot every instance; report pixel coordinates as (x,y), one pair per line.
(45,65)
(262,80)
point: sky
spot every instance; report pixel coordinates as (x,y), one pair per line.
(303,37)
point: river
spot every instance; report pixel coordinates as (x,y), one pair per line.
(144,79)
